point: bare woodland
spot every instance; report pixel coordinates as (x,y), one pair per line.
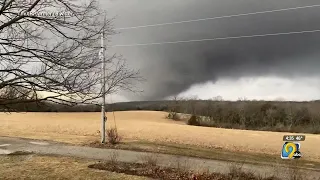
(55,58)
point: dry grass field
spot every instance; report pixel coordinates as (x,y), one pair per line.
(50,167)
(151,126)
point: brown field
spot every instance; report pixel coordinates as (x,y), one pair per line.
(151,126)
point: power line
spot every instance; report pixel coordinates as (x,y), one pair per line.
(219,17)
(219,38)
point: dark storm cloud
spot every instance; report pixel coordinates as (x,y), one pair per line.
(171,69)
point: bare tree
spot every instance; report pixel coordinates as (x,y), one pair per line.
(174,108)
(209,108)
(193,103)
(242,99)
(217,98)
(43,51)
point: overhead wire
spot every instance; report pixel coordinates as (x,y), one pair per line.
(219,17)
(213,39)
(218,38)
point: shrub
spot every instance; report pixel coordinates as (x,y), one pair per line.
(173,116)
(194,121)
(113,136)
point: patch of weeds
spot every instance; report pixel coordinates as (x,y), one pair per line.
(113,136)
(182,166)
(294,172)
(150,159)
(168,173)
(236,172)
(113,158)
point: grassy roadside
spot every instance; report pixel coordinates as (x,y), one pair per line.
(193,151)
(206,153)
(53,167)
(149,167)
(174,173)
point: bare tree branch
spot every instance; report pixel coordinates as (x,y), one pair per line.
(56,56)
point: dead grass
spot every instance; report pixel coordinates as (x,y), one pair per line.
(150,159)
(182,166)
(113,136)
(149,167)
(79,128)
(295,173)
(113,157)
(49,167)
(171,173)
(205,153)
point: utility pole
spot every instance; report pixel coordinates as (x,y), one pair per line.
(103,103)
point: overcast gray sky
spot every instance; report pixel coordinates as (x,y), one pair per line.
(257,68)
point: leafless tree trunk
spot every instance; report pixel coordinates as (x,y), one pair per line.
(209,108)
(174,108)
(192,103)
(51,48)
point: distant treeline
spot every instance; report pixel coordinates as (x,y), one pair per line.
(50,107)
(299,117)
(53,107)
(302,117)
(196,107)
(125,106)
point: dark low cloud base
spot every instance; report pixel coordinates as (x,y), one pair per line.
(171,69)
